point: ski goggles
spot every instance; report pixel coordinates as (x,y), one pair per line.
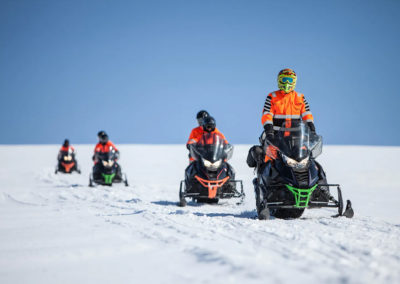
(289,80)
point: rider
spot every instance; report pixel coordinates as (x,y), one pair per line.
(208,127)
(66,148)
(205,133)
(196,131)
(104,146)
(283,106)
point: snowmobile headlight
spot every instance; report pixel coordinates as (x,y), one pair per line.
(212,166)
(294,164)
(67,158)
(303,163)
(108,164)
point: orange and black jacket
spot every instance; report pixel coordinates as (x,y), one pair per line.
(198,135)
(105,148)
(280,107)
(65,149)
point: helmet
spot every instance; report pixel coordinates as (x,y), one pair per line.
(287,80)
(66,143)
(209,124)
(103,137)
(201,115)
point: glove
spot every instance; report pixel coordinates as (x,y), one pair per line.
(269,132)
(313,133)
(312,127)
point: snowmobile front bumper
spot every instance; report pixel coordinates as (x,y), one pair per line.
(303,200)
(212,190)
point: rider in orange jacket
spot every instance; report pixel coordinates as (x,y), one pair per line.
(205,135)
(199,129)
(285,105)
(200,134)
(196,132)
(104,146)
(66,148)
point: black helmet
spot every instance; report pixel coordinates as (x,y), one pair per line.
(101,133)
(103,137)
(209,124)
(66,143)
(201,115)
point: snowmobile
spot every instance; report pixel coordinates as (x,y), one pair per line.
(107,171)
(67,163)
(294,181)
(210,178)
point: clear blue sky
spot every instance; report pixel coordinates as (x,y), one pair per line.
(142,69)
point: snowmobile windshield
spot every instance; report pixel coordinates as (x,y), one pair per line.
(211,147)
(295,140)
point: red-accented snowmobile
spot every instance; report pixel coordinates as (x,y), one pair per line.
(210,177)
(67,163)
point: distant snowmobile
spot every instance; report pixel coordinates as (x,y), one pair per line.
(107,171)
(210,178)
(294,181)
(67,163)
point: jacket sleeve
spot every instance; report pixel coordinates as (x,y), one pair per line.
(194,136)
(306,114)
(223,137)
(268,114)
(115,148)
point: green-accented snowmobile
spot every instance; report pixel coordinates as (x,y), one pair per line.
(294,180)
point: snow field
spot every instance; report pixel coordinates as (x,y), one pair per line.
(55,229)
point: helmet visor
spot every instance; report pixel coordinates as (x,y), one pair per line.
(287,80)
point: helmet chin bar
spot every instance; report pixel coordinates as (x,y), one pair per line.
(287,88)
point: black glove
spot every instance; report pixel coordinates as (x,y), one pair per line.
(312,127)
(313,133)
(269,132)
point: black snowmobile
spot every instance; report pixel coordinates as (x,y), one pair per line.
(210,178)
(107,171)
(294,181)
(67,163)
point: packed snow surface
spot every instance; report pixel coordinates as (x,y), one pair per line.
(55,229)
